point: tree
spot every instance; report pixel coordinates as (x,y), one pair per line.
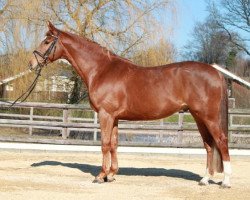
(17,37)
(233,16)
(243,67)
(160,53)
(4,9)
(210,44)
(118,25)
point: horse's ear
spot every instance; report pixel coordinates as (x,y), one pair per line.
(51,27)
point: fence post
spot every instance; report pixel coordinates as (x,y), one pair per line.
(95,122)
(161,132)
(180,127)
(65,132)
(31,119)
(229,125)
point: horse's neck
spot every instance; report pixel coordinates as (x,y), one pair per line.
(82,56)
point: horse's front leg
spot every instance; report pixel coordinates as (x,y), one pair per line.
(113,151)
(107,124)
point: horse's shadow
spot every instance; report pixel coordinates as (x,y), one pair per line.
(128,171)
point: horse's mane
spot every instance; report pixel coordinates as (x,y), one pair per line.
(104,49)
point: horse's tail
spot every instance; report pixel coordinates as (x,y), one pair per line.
(224,108)
(217,159)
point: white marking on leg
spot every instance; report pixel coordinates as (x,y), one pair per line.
(227,173)
(206,178)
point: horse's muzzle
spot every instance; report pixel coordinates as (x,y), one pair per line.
(32,65)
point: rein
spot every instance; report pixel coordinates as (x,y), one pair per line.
(38,71)
(27,93)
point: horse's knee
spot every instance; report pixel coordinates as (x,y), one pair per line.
(106,147)
(113,147)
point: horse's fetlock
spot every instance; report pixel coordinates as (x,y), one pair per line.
(114,170)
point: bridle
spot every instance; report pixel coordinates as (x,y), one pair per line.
(38,70)
(46,54)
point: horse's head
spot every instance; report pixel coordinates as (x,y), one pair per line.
(49,50)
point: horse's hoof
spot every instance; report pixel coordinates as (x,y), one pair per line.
(110,179)
(105,179)
(204,182)
(98,180)
(225,185)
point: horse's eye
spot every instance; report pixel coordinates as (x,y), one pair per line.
(46,42)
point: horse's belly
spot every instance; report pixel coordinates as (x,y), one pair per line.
(147,110)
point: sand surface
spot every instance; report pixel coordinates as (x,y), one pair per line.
(52,176)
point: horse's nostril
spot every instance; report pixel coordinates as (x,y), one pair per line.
(30,65)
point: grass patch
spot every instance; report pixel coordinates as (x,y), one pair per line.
(241,120)
(189,119)
(175,118)
(172,119)
(5,131)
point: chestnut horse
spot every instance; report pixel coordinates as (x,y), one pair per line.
(119,89)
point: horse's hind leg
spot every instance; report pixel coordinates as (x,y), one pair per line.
(208,142)
(221,141)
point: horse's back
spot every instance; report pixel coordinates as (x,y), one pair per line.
(157,92)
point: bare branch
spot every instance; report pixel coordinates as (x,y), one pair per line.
(233,41)
(234,15)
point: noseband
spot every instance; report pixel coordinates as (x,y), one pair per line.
(45,55)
